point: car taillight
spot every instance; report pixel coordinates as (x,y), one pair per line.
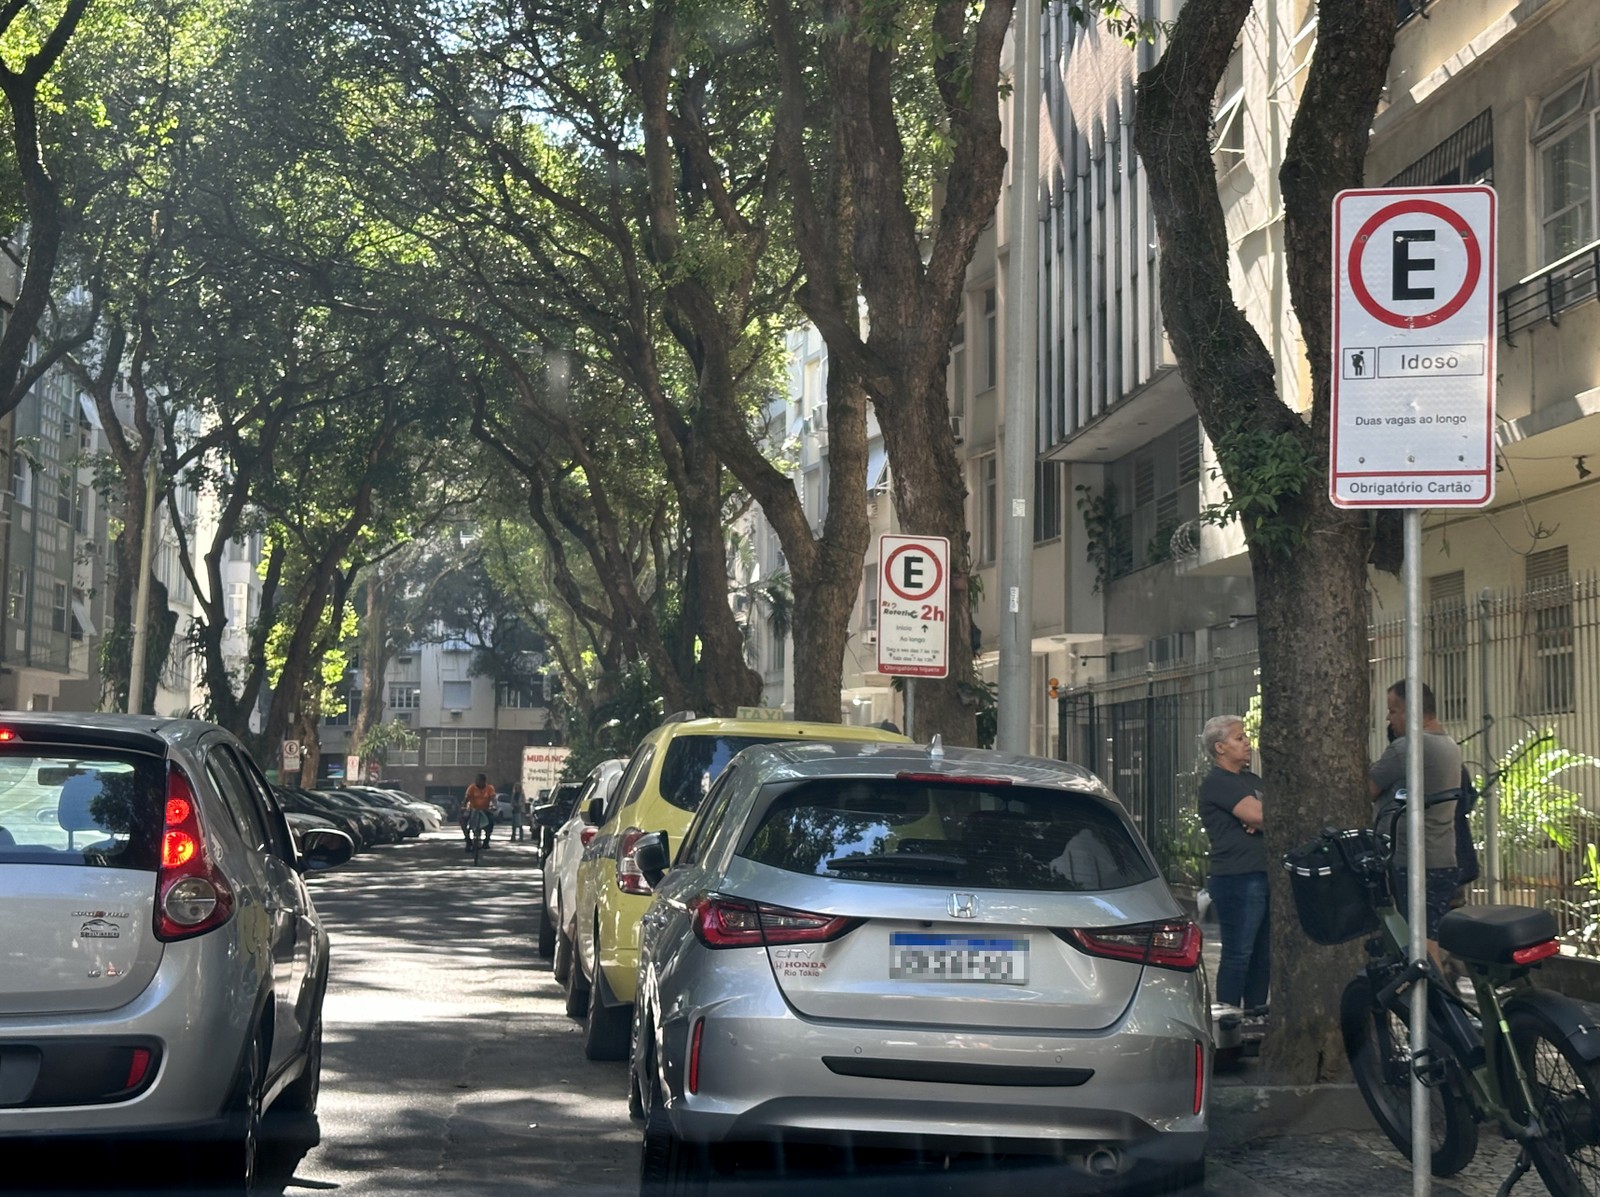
(1174,944)
(1199,1076)
(587,834)
(629,879)
(729,923)
(191,896)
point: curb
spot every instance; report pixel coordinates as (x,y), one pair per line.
(1242,1113)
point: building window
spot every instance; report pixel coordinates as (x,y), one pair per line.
(1466,156)
(1046,500)
(516,698)
(64,489)
(991,340)
(80,513)
(1549,684)
(1447,644)
(59,611)
(405,696)
(21,480)
(869,599)
(403,756)
(451,747)
(17,598)
(1227,126)
(988,509)
(1564,139)
(958,369)
(456,696)
(1157,490)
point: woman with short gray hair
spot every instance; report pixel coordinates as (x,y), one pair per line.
(1231,810)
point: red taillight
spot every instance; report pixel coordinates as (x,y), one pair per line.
(694,1054)
(729,923)
(1173,944)
(138,1066)
(7,735)
(954,779)
(629,879)
(587,834)
(191,896)
(1537,952)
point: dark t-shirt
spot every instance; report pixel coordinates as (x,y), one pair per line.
(1233,849)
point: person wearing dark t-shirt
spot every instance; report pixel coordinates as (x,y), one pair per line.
(1231,811)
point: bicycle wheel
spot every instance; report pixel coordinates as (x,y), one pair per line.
(1566,1090)
(1376,1041)
(477,842)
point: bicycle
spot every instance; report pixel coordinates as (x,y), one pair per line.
(476,823)
(1525,1058)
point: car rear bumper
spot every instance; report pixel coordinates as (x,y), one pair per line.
(200,1036)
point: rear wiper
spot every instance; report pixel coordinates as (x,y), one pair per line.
(909,862)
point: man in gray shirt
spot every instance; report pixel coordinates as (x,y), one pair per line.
(1441,772)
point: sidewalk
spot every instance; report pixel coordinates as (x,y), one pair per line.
(1320,1141)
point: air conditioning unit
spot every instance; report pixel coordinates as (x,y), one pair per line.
(958,428)
(455,714)
(870,636)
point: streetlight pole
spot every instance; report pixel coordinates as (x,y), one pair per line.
(1015,698)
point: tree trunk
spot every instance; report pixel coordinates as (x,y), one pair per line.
(1308,559)
(374,659)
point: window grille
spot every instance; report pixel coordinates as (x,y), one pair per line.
(1550,674)
(1447,644)
(1466,156)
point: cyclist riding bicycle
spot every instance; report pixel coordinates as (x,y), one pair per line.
(480,797)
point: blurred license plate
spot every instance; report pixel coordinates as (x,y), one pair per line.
(958,958)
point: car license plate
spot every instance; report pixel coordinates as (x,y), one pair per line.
(958,958)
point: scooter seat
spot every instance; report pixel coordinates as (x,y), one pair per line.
(1489,934)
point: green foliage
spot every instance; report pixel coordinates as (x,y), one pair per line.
(1121,19)
(615,726)
(1182,849)
(1252,718)
(1264,469)
(1106,545)
(1536,810)
(382,738)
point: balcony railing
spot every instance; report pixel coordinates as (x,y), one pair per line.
(1545,295)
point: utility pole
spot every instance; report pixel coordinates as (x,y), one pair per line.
(1022,334)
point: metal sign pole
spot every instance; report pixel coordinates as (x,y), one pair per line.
(911,702)
(1416,852)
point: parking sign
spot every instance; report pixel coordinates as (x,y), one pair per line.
(1414,347)
(913,605)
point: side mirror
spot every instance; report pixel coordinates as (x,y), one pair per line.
(325,848)
(595,813)
(651,854)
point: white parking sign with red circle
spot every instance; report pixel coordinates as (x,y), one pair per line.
(1414,347)
(913,605)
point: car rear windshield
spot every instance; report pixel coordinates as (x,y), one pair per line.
(693,763)
(942,834)
(97,807)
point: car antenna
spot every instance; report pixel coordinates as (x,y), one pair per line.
(936,748)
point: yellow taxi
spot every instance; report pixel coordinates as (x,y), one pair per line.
(662,787)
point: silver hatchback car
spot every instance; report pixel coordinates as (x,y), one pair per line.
(163,965)
(944,950)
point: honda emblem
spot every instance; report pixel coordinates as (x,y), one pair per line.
(963,906)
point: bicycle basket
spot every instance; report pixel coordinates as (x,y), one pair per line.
(1332,895)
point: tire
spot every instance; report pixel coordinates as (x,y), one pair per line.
(547,933)
(1566,1090)
(606,1029)
(561,964)
(1375,1042)
(577,988)
(228,1165)
(669,1167)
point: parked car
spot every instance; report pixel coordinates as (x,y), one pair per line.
(388,827)
(947,949)
(666,778)
(424,812)
(561,863)
(411,823)
(546,818)
(165,964)
(299,824)
(361,828)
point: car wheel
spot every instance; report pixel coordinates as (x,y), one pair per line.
(547,933)
(605,1028)
(228,1165)
(561,966)
(577,988)
(301,1096)
(669,1167)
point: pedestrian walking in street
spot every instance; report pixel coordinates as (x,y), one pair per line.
(519,810)
(1230,803)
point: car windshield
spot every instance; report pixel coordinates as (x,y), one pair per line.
(97,807)
(943,834)
(693,763)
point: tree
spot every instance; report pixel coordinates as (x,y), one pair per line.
(1309,560)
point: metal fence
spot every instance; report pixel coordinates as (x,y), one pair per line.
(1516,675)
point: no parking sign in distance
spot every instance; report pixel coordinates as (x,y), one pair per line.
(1414,347)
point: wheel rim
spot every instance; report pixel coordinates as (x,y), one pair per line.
(1391,1042)
(1565,1110)
(252,1118)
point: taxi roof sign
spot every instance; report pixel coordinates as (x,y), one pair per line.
(760,714)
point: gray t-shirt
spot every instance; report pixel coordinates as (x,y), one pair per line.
(1233,849)
(1441,771)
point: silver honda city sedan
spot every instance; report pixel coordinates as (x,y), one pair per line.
(947,950)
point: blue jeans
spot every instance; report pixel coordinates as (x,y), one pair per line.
(1243,903)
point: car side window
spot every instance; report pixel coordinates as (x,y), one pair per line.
(710,815)
(632,783)
(228,781)
(277,827)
